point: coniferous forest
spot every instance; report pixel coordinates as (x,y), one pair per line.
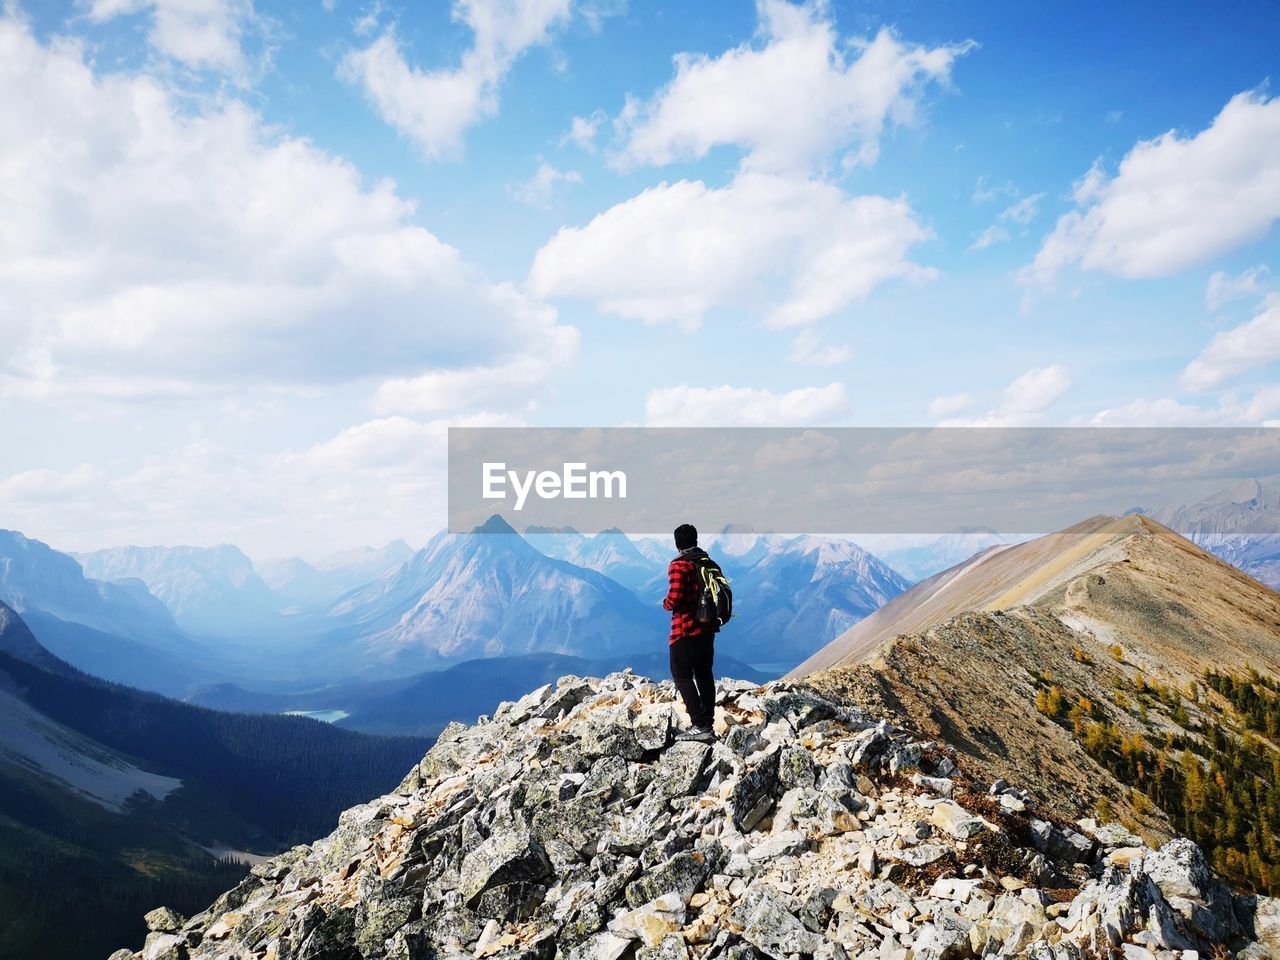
(1215,771)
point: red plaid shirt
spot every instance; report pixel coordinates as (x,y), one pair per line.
(682,597)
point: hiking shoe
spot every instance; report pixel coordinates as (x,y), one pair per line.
(703,734)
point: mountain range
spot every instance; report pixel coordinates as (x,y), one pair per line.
(791,593)
(299,583)
(115,630)
(488,594)
(1240,524)
(176,619)
(209,590)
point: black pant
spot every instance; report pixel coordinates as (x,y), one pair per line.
(691,659)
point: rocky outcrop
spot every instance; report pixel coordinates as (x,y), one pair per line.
(570,825)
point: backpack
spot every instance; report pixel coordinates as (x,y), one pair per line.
(714,606)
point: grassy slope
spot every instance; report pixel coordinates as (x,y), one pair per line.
(1130,635)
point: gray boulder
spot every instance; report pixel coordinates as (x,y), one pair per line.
(509,855)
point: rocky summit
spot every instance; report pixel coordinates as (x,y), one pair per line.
(572,824)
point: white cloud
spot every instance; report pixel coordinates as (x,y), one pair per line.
(950,405)
(686,406)
(583,131)
(1023,401)
(1164,412)
(990,237)
(1024,211)
(988,189)
(540,189)
(807,350)
(1223,288)
(1021,213)
(434,108)
(1175,201)
(500,384)
(1251,344)
(145,249)
(369,19)
(792,100)
(779,239)
(1231,411)
(202,34)
(799,248)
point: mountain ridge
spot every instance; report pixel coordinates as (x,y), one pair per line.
(209,590)
(1110,666)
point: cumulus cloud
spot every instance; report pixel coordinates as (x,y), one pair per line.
(799,248)
(779,239)
(201,34)
(1175,201)
(540,189)
(686,406)
(1254,343)
(434,108)
(146,250)
(1022,402)
(791,99)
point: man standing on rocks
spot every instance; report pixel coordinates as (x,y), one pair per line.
(692,644)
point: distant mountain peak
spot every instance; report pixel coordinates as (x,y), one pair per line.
(1246,491)
(495,524)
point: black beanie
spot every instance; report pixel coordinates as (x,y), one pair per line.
(686,536)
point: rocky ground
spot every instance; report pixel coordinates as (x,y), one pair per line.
(571,825)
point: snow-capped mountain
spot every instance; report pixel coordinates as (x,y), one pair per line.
(612,553)
(740,547)
(490,593)
(791,594)
(635,563)
(797,594)
(209,590)
(1240,524)
(117,631)
(34,576)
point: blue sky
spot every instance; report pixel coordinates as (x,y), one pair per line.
(260,255)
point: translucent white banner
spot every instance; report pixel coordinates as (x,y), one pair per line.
(843,480)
